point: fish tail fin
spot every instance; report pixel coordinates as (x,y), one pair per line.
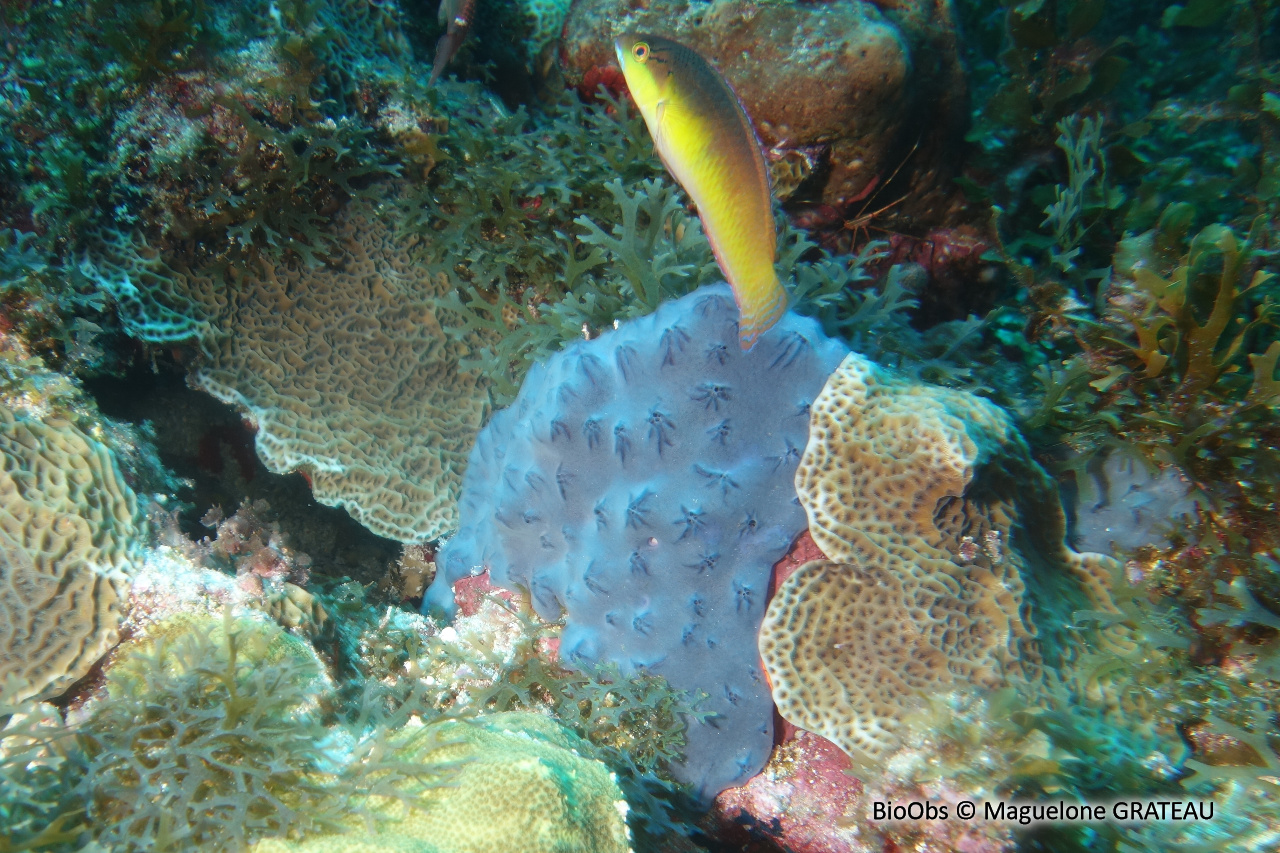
(759,308)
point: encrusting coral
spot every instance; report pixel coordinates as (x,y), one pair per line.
(344,369)
(942,532)
(258,642)
(520,784)
(68,523)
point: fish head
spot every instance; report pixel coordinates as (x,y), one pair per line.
(646,64)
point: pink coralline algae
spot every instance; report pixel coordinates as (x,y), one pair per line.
(804,799)
(253,545)
(807,801)
(803,549)
(470,593)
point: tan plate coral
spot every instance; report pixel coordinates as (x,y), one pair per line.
(935,518)
(344,369)
(67,524)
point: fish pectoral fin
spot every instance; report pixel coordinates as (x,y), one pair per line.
(670,112)
(656,132)
(675,120)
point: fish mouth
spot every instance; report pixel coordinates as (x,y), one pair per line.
(620,51)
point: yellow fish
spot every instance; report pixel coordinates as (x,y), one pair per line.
(704,137)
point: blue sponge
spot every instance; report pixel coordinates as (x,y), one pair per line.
(642,484)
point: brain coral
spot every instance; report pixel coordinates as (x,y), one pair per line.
(521,784)
(942,532)
(344,369)
(642,484)
(67,525)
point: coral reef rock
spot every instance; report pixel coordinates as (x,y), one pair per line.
(642,484)
(807,801)
(68,525)
(521,784)
(545,19)
(942,533)
(850,88)
(344,369)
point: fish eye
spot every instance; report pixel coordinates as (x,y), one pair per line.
(640,51)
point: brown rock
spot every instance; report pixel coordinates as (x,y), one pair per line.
(849,87)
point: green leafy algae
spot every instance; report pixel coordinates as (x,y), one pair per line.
(556,224)
(207,738)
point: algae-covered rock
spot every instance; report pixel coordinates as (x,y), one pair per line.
(846,88)
(256,643)
(521,784)
(209,737)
